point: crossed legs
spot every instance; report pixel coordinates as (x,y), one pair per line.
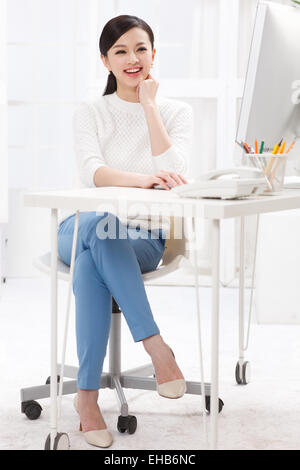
(107,267)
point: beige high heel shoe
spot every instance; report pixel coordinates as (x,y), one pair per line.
(99,437)
(173,388)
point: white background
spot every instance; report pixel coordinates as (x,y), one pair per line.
(52,64)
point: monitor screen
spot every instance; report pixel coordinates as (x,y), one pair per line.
(270,107)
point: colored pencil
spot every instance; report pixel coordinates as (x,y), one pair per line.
(291,146)
(262,146)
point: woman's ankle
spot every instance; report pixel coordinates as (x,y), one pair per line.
(151,343)
(87,396)
(89,411)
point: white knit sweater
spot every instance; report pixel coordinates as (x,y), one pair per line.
(110,131)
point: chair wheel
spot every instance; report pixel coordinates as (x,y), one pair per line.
(244,377)
(127,423)
(32,409)
(48,381)
(61,442)
(207,404)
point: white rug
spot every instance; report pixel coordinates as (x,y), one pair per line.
(265,414)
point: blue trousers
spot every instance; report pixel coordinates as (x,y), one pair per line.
(108,264)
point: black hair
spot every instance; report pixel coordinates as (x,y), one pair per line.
(111,32)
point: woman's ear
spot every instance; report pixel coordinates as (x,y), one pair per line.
(153,55)
(105,61)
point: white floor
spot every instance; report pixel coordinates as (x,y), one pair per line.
(265,414)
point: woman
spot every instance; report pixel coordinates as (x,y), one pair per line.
(126,137)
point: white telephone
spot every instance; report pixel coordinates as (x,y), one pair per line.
(229,183)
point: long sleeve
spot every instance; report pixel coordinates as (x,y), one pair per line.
(180,130)
(86,145)
(109,131)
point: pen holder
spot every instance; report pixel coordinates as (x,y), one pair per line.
(273,167)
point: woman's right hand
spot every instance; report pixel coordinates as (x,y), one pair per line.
(166,179)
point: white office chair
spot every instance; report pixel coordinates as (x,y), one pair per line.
(139,378)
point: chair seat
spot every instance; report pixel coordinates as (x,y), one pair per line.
(163,269)
(43,263)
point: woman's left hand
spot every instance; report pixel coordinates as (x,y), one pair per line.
(146,90)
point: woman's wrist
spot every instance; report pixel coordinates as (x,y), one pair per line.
(149,105)
(141,180)
(106,176)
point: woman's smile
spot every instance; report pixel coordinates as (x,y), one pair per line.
(134,72)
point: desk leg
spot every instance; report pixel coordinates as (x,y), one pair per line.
(241,294)
(53,386)
(242,371)
(214,400)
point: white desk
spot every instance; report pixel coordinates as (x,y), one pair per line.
(119,200)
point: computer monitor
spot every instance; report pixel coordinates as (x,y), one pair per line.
(270,107)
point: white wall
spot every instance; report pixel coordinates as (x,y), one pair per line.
(47,77)
(3,138)
(3,118)
(47,73)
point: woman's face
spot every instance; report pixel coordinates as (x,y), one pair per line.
(132,50)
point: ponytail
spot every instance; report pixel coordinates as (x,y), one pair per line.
(111,84)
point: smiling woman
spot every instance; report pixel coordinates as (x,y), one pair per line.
(126,137)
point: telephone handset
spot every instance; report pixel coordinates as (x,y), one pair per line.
(229,183)
(237,172)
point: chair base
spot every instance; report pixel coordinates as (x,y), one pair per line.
(134,379)
(138,378)
(127,379)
